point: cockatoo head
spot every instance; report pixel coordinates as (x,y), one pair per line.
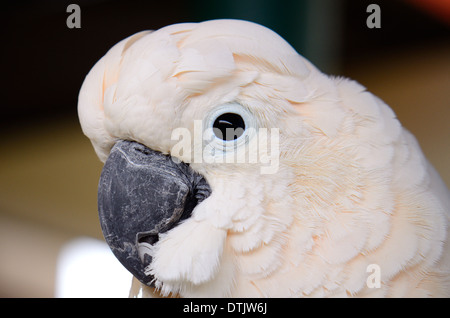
(193,119)
(227,155)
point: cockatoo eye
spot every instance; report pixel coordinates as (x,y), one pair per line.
(229,126)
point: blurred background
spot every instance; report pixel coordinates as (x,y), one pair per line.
(48,169)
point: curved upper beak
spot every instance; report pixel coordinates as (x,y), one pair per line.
(142,193)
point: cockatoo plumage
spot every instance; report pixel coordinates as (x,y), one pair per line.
(351,188)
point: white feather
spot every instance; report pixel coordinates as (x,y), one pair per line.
(352,188)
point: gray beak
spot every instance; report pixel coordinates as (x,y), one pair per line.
(141,194)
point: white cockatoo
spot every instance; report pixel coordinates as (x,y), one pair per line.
(235,168)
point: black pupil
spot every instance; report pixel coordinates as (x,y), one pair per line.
(229,126)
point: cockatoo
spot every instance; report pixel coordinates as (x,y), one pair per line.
(235,168)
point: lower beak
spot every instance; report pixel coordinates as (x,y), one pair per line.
(141,194)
